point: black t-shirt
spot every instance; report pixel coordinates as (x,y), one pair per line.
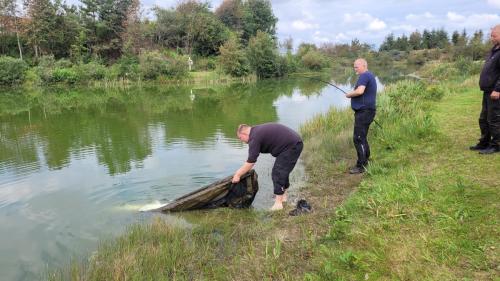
(270,138)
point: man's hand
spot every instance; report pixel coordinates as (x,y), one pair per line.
(495,95)
(236,179)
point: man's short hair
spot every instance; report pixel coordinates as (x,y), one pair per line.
(242,127)
(362,61)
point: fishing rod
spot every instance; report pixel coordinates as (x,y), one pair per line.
(337,87)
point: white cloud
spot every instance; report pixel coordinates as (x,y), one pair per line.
(482,20)
(404,27)
(423,16)
(494,3)
(357,17)
(341,37)
(376,25)
(302,25)
(454,16)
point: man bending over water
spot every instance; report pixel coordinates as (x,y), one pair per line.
(283,143)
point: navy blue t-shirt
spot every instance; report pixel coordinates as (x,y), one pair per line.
(367,99)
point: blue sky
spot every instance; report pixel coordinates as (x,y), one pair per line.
(370,21)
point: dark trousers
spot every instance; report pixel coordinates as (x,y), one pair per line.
(489,122)
(362,120)
(283,166)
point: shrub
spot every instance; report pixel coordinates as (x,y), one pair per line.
(177,66)
(152,65)
(63,63)
(204,64)
(12,70)
(263,55)
(233,60)
(313,60)
(64,75)
(91,71)
(125,68)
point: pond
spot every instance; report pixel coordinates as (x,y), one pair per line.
(77,164)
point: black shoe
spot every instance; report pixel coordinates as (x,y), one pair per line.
(302,208)
(478,147)
(357,170)
(489,150)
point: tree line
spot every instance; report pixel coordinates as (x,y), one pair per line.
(459,42)
(108,29)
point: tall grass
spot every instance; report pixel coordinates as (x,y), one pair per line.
(422,212)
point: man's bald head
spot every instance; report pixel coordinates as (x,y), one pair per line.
(495,34)
(360,66)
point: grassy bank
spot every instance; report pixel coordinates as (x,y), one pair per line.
(427,209)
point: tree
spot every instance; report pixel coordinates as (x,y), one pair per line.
(415,41)
(258,16)
(192,27)
(287,44)
(263,55)
(42,14)
(105,23)
(388,43)
(8,8)
(230,12)
(232,58)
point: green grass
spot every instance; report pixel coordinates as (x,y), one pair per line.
(429,207)
(426,210)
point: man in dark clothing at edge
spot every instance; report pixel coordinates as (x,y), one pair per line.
(363,102)
(489,83)
(283,143)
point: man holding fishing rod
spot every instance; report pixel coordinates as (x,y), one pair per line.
(363,102)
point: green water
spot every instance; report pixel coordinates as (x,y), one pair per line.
(76,165)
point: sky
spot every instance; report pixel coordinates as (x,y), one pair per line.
(370,21)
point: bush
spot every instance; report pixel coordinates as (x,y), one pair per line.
(125,68)
(263,55)
(91,71)
(204,64)
(12,70)
(64,75)
(177,66)
(313,60)
(233,60)
(152,65)
(63,63)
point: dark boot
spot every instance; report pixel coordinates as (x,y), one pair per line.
(478,146)
(490,150)
(357,170)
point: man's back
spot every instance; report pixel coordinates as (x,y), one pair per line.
(271,138)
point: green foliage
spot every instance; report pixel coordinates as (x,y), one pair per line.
(125,68)
(91,71)
(314,60)
(263,55)
(204,63)
(12,70)
(305,48)
(233,59)
(230,12)
(152,64)
(66,75)
(209,34)
(104,23)
(258,16)
(192,27)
